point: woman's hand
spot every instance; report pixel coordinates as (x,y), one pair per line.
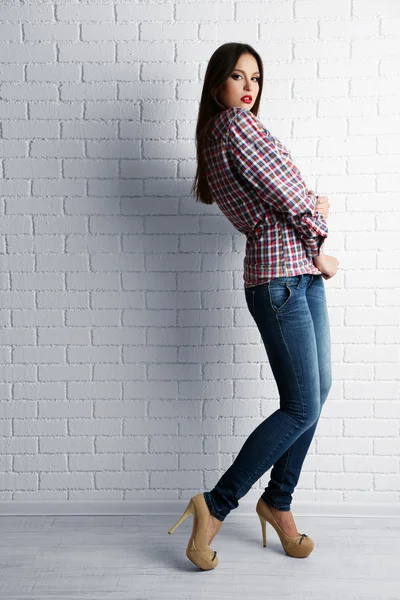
(328,265)
(322,205)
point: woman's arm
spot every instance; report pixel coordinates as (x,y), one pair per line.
(276,179)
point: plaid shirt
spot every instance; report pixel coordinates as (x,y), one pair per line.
(254,182)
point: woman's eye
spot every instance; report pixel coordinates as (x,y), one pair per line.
(237,75)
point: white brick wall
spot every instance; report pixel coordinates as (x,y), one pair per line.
(130,366)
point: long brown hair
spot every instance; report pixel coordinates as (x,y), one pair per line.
(220,66)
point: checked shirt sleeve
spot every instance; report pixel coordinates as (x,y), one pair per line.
(276,179)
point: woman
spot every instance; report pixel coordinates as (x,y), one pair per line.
(249,173)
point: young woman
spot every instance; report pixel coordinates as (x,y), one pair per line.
(250,174)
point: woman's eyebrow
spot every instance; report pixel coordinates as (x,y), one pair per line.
(256,73)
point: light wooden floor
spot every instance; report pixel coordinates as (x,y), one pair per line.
(134,558)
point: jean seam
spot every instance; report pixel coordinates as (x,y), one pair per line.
(291,360)
(212,510)
(267,457)
(284,475)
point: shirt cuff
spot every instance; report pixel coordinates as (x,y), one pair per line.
(314,247)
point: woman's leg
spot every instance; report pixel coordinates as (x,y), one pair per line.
(286,470)
(281,311)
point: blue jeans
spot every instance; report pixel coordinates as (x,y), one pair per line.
(292,318)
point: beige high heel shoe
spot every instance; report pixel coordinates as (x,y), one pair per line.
(198,551)
(298,546)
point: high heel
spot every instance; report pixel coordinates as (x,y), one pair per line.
(198,551)
(298,546)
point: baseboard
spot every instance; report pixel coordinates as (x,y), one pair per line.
(176,507)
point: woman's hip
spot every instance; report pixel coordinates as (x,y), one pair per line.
(290,313)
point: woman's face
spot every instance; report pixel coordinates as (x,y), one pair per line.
(242,82)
